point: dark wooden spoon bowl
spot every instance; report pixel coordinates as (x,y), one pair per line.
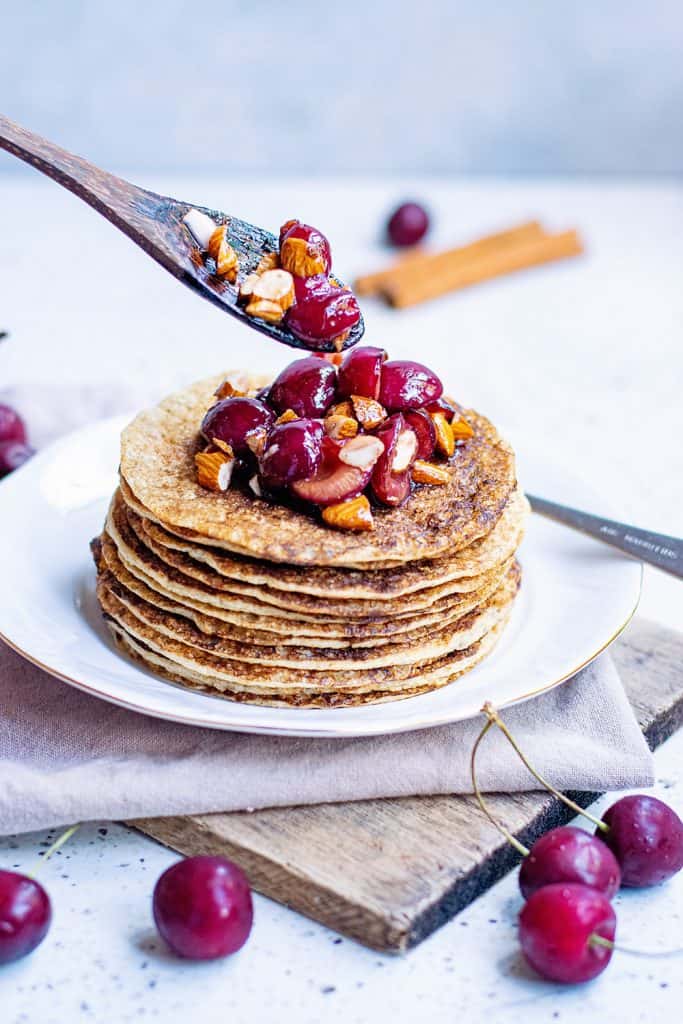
(154,223)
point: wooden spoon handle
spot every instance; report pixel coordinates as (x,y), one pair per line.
(140,214)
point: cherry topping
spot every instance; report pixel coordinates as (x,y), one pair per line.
(646,837)
(407,385)
(233,420)
(359,374)
(407,224)
(569,854)
(12,426)
(335,480)
(304,250)
(293,452)
(12,455)
(389,487)
(307,386)
(557,929)
(422,424)
(326,314)
(25,915)
(202,907)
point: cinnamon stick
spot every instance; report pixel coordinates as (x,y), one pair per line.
(434,263)
(429,282)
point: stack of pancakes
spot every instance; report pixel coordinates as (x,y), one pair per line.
(257,602)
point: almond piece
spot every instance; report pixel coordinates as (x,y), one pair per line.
(201,227)
(350,515)
(269,261)
(223,446)
(341,409)
(256,440)
(264,309)
(223,253)
(287,416)
(214,470)
(462,430)
(368,412)
(405,450)
(362,451)
(445,438)
(428,473)
(340,427)
(247,287)
(296,257)
(228,390)
(275,286)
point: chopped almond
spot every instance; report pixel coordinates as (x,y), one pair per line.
(275,286)
(256,440)
(223,446)
(298,258)
(223,253)
(404,453)
(269,261)
(355,514)
(228,390)
(368,412)
(462,430)
(265,310)
(341,409)
(428,473)
(214,469)
(247,287)
(340,427)
(445,438)
(362,451)
(287,416)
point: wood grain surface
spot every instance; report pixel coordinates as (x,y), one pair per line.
(389,872)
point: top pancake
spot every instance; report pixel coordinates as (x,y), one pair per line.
(157,464)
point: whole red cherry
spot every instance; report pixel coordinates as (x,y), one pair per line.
(408,224)
(307,386)
(12,455)
(202,907)
(234,419)
(569,854)
(25,915)
(12,427)
(325,314)
(646,837)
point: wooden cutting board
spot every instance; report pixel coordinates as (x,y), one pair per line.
(389,872)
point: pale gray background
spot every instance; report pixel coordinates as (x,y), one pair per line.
(526,86)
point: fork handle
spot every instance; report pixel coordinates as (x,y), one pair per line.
(655,548)
(133,210)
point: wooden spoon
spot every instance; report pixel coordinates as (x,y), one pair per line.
(155,223)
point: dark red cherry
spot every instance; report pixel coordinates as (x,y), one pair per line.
(233,420)
(307,386)
(304,250)
(423,426)
(557,926)
(307,288)
(25,915)
(359,374)
(202,907)
(408,224)
(324,316)
(569,854)
(445,406)
(390,488)
(293,452)
(405,385)
(12,455)
(646,837)
(12,426)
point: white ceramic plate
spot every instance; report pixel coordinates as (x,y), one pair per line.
(577,596)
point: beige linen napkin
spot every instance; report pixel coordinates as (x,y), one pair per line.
(67,757)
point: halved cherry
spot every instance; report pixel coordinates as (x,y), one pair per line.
(326,314)
(233,420)
(359,374)
(405,385)
(390,488)
(307,386)
(334,481)
(293,452)
(304,250)
(423,426)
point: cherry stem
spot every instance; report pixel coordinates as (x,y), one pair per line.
(58,843)
(495,719)
(519,847)
(600,940)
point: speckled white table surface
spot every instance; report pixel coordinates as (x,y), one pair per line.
(584,358)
